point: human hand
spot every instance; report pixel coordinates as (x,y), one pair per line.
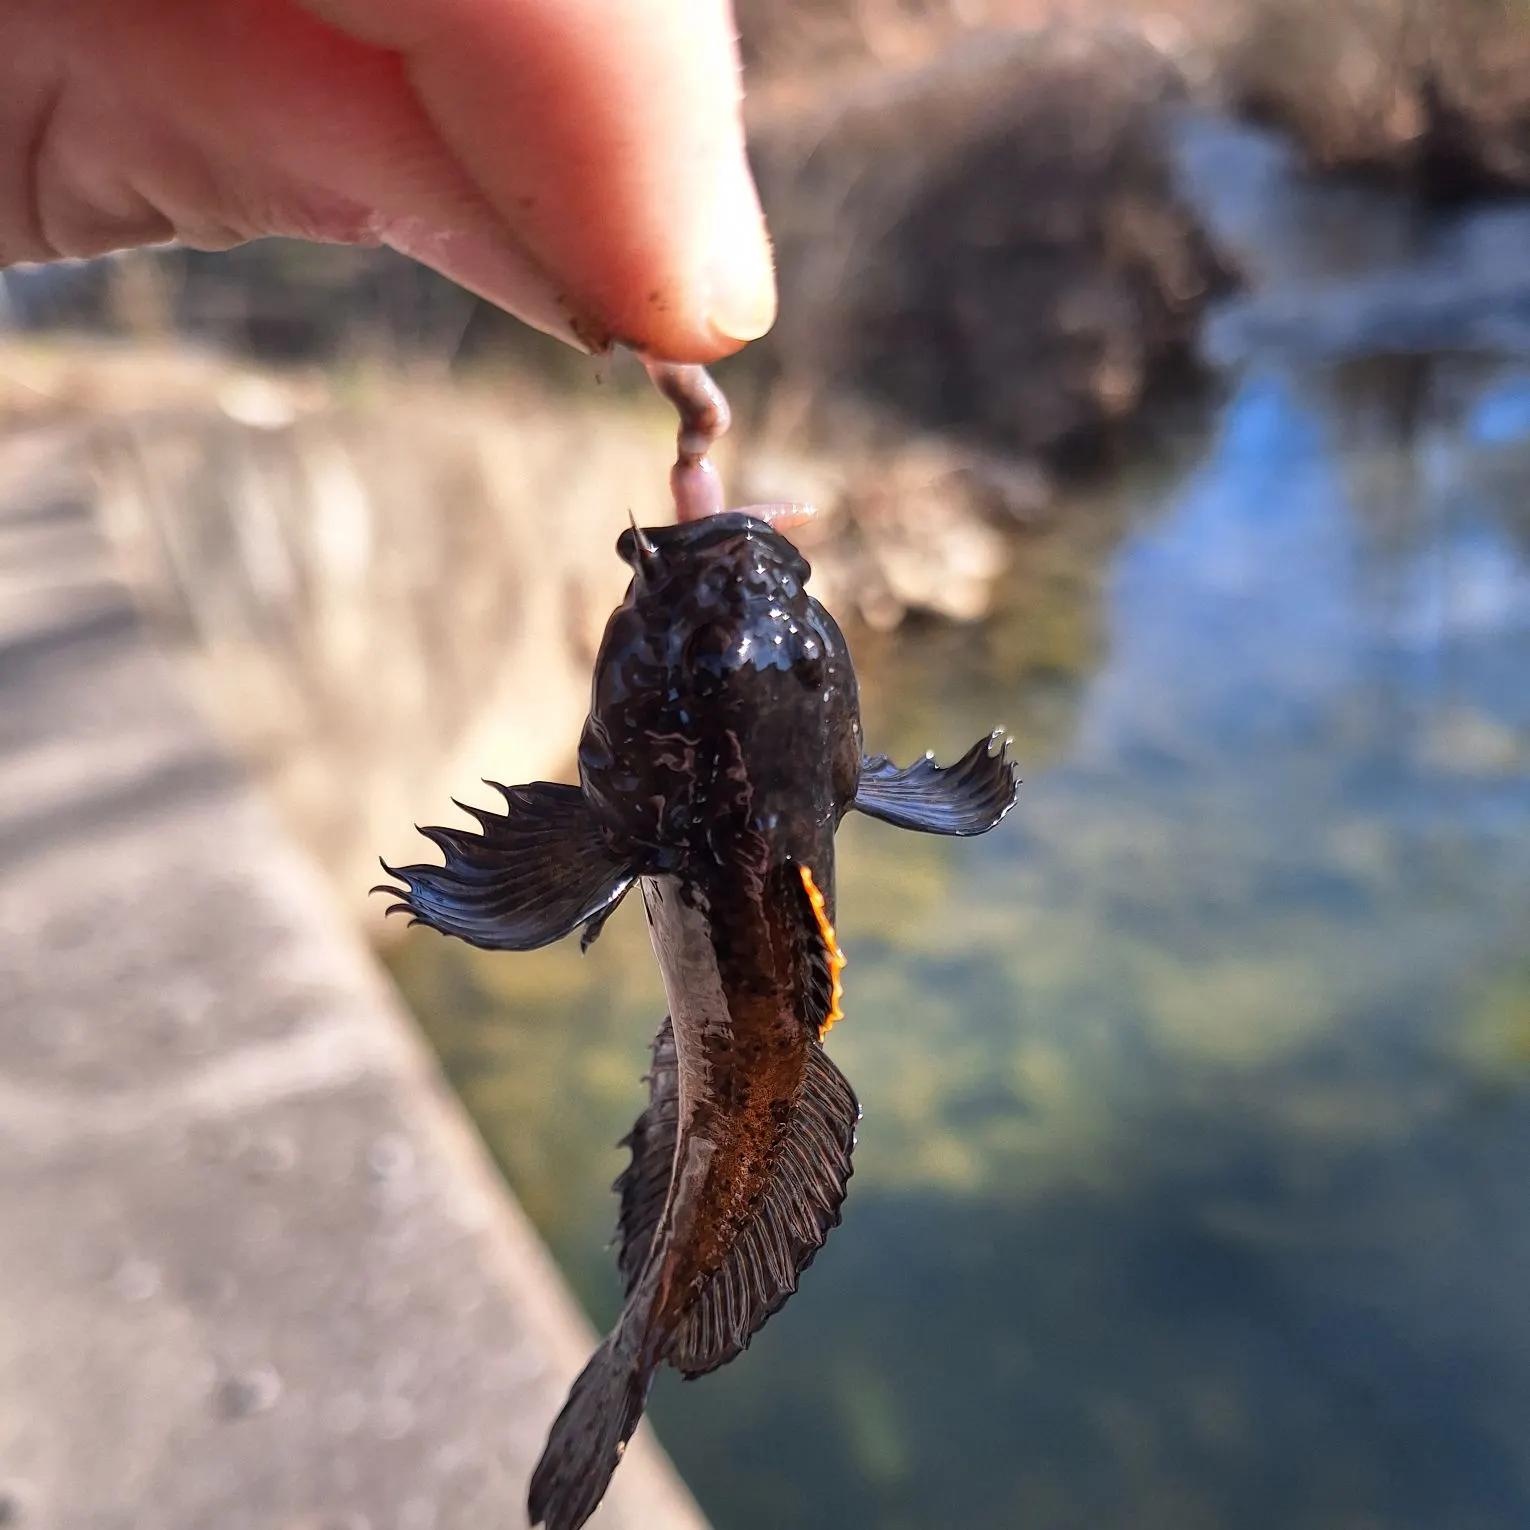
(579,162)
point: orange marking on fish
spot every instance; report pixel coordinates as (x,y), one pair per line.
(836,956)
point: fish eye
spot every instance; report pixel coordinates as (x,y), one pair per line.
(706,644)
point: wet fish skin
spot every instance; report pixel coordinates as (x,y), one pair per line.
(721,751)
(718,638)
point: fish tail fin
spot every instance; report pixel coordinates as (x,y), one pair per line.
(589,1435)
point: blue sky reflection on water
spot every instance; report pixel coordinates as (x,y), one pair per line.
(1192,1190)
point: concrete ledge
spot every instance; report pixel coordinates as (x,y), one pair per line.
(255,1269)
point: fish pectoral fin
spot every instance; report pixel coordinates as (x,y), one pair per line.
(792,1222)
(528,877)
(969,797)
(644,1184)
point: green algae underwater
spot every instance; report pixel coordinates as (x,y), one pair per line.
(1192,1184)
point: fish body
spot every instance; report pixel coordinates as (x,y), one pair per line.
(722,750)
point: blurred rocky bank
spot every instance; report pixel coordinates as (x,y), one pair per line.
(376,518)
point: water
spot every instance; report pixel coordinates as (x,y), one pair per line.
(1194,1183)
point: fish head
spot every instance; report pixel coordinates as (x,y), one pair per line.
(724,727)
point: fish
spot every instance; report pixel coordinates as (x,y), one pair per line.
(721,752)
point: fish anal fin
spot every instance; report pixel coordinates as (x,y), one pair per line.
(644,1184)
(525,878)
(969,797)
(794,1218)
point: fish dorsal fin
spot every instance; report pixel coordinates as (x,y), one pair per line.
(644,1184)
(969,797)
(532,875)
(825,962)
(802,1204)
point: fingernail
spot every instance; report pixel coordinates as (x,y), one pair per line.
(496,269)
(741,280)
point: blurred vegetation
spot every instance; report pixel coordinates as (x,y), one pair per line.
(1431,94)
(1038,321)
(1434,94)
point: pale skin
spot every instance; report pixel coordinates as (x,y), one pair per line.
(578,162)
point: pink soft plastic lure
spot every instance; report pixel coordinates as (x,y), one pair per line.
(704,419)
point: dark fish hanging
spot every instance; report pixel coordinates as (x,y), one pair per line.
(722,749)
